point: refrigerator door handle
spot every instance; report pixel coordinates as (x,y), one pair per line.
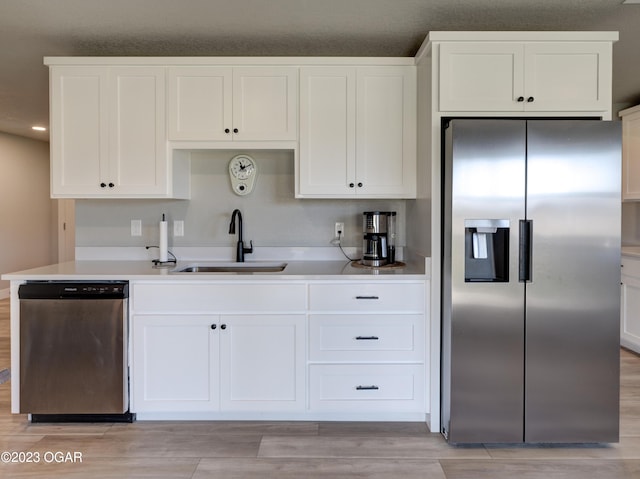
(525,244)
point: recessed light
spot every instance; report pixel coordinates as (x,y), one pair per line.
(39,128)
(631,1)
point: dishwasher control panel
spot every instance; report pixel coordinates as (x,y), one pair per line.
(74,290)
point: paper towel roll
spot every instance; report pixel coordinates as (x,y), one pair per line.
(163,242)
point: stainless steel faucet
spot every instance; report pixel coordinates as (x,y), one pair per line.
(240,248)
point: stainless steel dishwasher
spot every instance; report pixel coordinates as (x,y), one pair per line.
(73,351)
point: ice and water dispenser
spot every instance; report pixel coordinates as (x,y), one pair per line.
(486,247)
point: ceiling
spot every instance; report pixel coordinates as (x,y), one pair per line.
(32,29)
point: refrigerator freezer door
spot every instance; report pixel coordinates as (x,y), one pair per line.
(483,329)
(572,313)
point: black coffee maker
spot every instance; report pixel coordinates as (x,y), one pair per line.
(379,238)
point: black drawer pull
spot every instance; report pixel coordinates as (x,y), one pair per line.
(367,388)
(367,297)
(367,338)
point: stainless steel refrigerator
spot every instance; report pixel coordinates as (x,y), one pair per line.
(531,281)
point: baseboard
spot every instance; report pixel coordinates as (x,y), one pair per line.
(5,293)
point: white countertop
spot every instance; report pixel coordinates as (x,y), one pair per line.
(633,251)
(141,270)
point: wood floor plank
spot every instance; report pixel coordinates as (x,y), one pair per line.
(396,429)
(541,469)
(262,468)
(427,447)
(153,445)
(235,428)
(105,468)
(627,448)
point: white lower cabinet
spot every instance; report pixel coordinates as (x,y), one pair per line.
(218,363)
(315,350)
(262,363)
(630,304)
(367,348)
(175,363)
(366,337)
(218,348)
(389,388)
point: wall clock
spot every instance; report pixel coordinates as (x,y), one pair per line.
(242,171)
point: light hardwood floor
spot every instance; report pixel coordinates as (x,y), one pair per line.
(309,450)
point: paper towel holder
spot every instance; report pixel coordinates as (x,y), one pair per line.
(163,264)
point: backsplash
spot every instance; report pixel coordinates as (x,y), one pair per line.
(271,214)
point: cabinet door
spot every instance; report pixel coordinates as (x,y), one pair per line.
(262,361)
(567,76)
(327,131)
(630,303)
(386,132)
(79,147)
(199,103)
(175,363)
(485,76)
(631,156)
(137,146)
(265,103)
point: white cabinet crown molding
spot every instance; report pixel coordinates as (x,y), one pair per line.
(232,61)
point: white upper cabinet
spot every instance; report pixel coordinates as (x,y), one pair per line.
(540,76)
(108,132)
(199,103)
(631,154)
(357,132)
(327,131)
(137,139)
(79,130)
(221,103)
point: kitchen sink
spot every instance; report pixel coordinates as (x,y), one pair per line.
(249,267)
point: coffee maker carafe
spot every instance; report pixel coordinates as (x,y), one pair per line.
(378,243)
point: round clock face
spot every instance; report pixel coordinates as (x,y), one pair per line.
(242,167)
(242,172)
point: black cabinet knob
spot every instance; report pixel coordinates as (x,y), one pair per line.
(235,130)
(530,99)
(351,185)
(226,130)
(111,185)
(214,326)
(103,185)
(520,99)
(359,185)
(223,326)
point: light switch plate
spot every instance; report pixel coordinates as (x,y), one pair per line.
(136,227)
(178,228)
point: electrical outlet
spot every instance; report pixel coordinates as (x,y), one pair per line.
(178,228)
(338,231)
(136,227)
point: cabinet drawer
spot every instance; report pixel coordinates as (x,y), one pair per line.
(365,388)
(388,337)
(630,266)
(214,298)
(367,297)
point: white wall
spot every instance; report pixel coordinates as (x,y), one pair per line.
(27,237)
(272,216)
